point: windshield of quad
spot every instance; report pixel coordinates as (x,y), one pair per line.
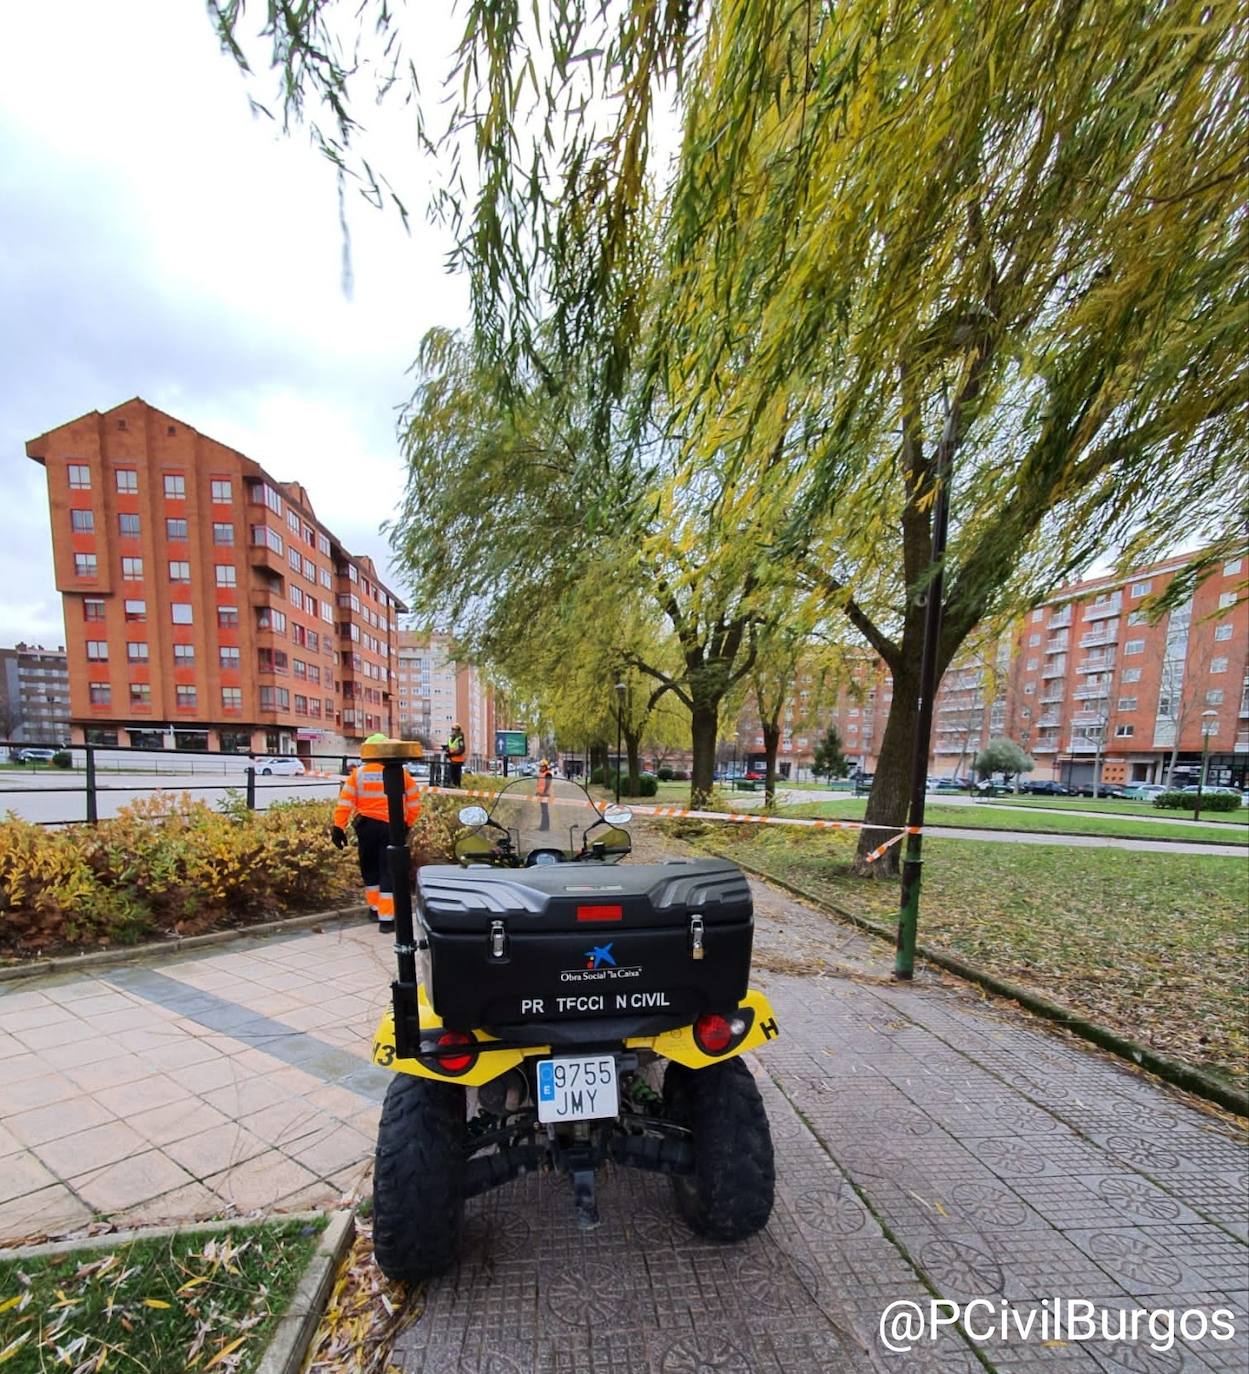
(569,813)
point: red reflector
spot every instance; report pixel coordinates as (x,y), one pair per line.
(453,1063)
(600,913)
(713,1033)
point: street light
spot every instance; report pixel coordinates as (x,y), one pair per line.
(620,692)
(1208,719)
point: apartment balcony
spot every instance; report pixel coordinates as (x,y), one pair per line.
(1087,718)
(1095,665)
(1057,646)
(1045,746)
(1095,638)
(1053,699)
(1060,619)
(1085,746)
(1100,610)
(1052,670)
(1090,693)
(1049,722)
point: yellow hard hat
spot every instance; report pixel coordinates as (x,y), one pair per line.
(546,763)
(377,738)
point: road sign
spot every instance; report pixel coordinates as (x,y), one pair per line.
(510,744)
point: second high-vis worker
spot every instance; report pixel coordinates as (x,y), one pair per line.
(363,796)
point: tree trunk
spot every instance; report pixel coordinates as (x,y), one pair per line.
(704,724)
(771,741)
(891,787)
(598,758)
(633,745)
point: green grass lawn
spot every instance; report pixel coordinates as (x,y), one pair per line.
(1112,806)
(192,1301)
(1155,946)
(988,817)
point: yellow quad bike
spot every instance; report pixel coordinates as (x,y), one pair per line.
(556,1009)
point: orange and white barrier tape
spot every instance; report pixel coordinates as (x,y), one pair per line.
(690,813)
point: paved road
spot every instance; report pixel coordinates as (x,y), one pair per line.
(929,1141)
(56,798)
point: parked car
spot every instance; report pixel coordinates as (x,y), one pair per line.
(1144,791)
(1045,787)
(419,769)
(281,767)
(35,755)
(1207,791)
(743,782)
(1104,789)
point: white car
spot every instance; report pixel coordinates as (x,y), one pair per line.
(1144,791)
(287,767)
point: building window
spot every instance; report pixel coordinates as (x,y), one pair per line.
(301,705)
(1227,600)
(231,698)
(181,613)
(292,557)
(1127,703)
(275,699)
(136,651)
(1218,665)
(184,655)
(92,609)
(82,521)
(1029,688)
(1134,646)
(261,493)
(222,490)
(228,617)
(175,486)
(1124,731)
(84,565)
(97,650)
(1222,632)
(1032,665)
(1137,618)
(310,570)
(179,571)
(269,538)
(230,657)
(127,481)
(269,619)
(128,526)
(271,660)
(297,598)
(132,569)
(101,693)
(223,534)
(1131,675)
(1231,567)
(294,522)
(140,694)
(79,477)
(185,698)
(299,667)
(1140,589)
(225,575)
(1215,697)
(176,530)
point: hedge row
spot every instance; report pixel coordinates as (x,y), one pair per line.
(170,865)
(1186,801)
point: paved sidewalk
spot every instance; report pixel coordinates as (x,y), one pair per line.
(226,1082)
(928,1141)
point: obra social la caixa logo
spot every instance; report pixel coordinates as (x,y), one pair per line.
(600,967)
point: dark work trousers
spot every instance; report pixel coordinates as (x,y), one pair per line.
(372,837)
(455,771)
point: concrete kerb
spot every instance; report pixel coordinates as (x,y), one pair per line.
(133,954)
(1172,1071)
(289,1343)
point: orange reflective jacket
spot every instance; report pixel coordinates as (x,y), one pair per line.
(365,794)
(457,749)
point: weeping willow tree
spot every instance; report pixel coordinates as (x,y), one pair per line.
(993,246)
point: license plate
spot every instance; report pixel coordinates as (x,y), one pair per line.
(577,1089)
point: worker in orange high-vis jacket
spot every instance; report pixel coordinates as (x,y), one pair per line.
(457,752)
(364,795)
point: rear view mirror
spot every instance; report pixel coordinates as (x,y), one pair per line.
(473,815)
(617,815)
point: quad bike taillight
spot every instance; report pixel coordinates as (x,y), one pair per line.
(716,1034)
(451,1063)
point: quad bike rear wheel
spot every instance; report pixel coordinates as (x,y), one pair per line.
(418,1178)
(730,1192)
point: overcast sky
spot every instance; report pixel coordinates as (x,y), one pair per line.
(158,240)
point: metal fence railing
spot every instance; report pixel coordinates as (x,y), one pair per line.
(97,772)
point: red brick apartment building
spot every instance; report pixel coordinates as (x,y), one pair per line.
(1094,678)
(1085,678)
(205,604)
